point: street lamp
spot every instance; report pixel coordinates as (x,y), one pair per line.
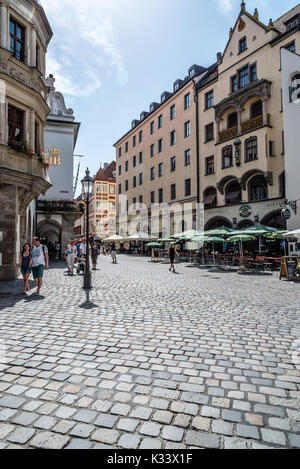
(87,190)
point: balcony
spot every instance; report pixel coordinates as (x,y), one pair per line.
(246,126)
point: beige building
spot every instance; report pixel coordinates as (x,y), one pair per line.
(217,139)
(241,135)
(24,36)
(103,203)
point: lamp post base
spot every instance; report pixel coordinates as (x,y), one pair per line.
(87,281)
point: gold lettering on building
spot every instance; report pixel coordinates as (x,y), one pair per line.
(53,158)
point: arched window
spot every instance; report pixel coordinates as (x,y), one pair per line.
(232,120)
(233,194)
(251,151)
(256,109)
(227,158)
(295,87)
(258,189)
(210,198)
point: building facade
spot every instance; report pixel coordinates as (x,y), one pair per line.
(218,139)
(24,36)
(102,217)
(56,211)
(242,137)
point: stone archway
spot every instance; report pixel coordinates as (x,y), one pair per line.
(274,220)
(217,222)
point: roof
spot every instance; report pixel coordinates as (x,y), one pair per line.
(280,22)
(107,173)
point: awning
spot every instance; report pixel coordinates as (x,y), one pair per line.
(209,199)
(234,195)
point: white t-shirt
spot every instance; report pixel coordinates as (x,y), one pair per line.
(38,257)
(83,249)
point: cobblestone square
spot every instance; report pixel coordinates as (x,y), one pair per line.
(197,359)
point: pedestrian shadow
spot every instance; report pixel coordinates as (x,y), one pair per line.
(33,297)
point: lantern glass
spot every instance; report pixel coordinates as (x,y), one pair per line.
(87,185)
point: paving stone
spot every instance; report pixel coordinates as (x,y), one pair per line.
(45,423)
(77,443)
(63,427)
(202,440)
(234,443)
(294,440)
(108,436)
(11,402)
(106,421)
(221,427)
(150,443)
(182,420)
(184,408)
(129,441)
(172,433)
(210,412)
(268,409)
(5,429)
(21,435)
(201,423)
(49,440)
(247,431)
(163,417)
(85,416)
(254,419)
(281,424)
(143,413)
(274,437)
(82,430)
(231,415)
(161,404)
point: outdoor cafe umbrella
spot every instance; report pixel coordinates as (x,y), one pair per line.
(140,236)
(240,239)
(209,239)
(114,238)
(222,231)
(152,245)
(293,234)
(188,235)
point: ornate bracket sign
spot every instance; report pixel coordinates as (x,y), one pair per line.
(53,159)
(245,211)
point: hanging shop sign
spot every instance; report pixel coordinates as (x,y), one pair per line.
(245,211)
(286,214)
(53,158)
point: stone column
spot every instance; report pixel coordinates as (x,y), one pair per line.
(218,122)
(33,48)
(239,116)
(3,120)
(9,239)
(265,110)
(32,130)
(3,26)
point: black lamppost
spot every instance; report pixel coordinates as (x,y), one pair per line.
(87,190)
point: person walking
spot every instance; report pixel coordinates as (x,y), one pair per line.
(57,250)
(70,256)
(95,254)
(113,253)
(172,253)
(83,248)
(39,262)
(25,260)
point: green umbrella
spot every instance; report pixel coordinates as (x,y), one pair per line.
(188,235)
(153,245)
(222,231)
(208,239)
(259,226)
(166,240)
(241,239)
(247,232)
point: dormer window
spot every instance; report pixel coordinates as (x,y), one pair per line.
(242,45)
(191,72)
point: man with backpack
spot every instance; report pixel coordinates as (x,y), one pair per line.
(39,262)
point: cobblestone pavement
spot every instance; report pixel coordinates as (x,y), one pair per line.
(198,359)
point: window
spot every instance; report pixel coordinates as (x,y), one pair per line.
(152,174)
(227,157)
(140,199)
(134,203)
(209,132)
(210,198)
(15,123)
(126,186)
(134,142)
(98,187)
(187,101)
(234,84)
(209,100)
(160,121)
(187,129)
(152,150)
(134,182)
(160,169)
(173,192)
(140,136)
(256,109)
(152,197)
(187,157)
(105,188)
(291,47)
(187,187)
(134,162)
(258,189)
(37,55)
(120,170)
(112,190)
(233,194)
(242,45)
(17,40)
(120,152)
(160,196)
(244,77)
(141,157)
(253,72)
(209,165)
(271,148)
(173,138)
(172,112)
(160,145)
(152,128)
(126,166)
(173,164)
(36,137)
(141,179)
(251,149)
(120,188)
(232,120)
(295,88)
(126,147)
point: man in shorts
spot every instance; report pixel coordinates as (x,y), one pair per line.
(39,262)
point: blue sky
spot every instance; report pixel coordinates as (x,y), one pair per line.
(112,58)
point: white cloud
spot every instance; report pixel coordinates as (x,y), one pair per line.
(83,46)
(226,6)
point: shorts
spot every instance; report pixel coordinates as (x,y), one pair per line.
(172,259)
(38,271)
(25,271)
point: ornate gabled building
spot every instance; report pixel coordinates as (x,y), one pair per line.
(241,132)
(103,202)
(24,36)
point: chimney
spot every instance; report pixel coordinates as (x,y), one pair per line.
(219,57)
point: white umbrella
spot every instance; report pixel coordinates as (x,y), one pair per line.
(292,234)
(140,236)
(114,238)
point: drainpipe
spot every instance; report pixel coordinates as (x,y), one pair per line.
(196,100)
